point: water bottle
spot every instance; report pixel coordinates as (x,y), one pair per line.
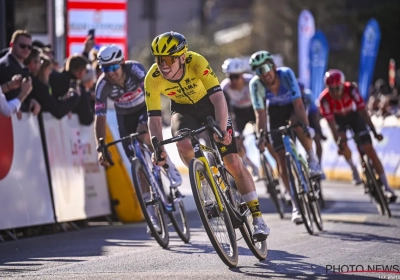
(219,178)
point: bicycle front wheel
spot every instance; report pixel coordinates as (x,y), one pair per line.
(270,182)
(378,196)
(216,222)
(299,193)
(152,207)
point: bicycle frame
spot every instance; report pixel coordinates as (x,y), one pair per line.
(290,148)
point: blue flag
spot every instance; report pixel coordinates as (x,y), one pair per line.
(319,51)
(369,51)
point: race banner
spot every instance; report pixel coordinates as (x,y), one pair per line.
(319,51)
(369,51)
(108,19)
(306,30)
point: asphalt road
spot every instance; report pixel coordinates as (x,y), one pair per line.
(354,234)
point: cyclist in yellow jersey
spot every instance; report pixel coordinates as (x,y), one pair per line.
(188,80)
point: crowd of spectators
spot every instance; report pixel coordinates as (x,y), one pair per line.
(32,81)
(384,101)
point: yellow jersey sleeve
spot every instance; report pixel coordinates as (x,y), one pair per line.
(152,90)
(205,73)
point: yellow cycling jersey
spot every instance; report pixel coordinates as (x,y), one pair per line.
(198,80)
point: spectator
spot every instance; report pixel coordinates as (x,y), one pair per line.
(75,70)
(11,64)
(40,67)
(7,108)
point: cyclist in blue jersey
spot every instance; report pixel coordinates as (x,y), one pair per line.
(313,120)
(275,90)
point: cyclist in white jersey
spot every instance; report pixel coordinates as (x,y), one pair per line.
(236,89)
(279,87)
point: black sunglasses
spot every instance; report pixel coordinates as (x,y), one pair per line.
(24,46)
(234,76)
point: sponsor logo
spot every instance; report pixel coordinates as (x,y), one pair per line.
(156,73)
(99,106)
(188,59)
(172,93)
(137,71)
(129,96)
(147,94)
(205,73)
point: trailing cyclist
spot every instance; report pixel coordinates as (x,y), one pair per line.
(276,95)
(122,81)
(337,102)
(236,90)
(195,92)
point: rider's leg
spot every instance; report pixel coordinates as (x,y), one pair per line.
(371,153)
(345,151)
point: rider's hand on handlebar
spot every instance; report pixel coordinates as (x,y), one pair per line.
(227,140)
(379,137)
(163,156)
(102,160)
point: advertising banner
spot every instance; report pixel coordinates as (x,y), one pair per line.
(306,30)
(369,51)
(25,198)
(319,51)
(107,18)
(78,182)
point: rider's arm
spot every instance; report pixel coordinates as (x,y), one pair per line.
(334,130)
(153,103)
(326,111)
(300,111)
(355,94)
(257,94)
(221,109)
(100,109)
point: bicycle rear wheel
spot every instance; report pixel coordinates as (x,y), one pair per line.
(270,183)
(298,192)
(313,199)
(378,196)
(217,223)
(259,249)
(180,221)
(141,182)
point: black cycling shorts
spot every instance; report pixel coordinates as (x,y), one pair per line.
(312,118)
(193,116)
(128,124)
(354,121)
(278,116)
(243,116)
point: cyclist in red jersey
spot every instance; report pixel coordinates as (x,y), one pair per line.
(342,106)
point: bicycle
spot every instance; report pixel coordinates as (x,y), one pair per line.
(272,183)
(147,179)
(302,185)
(372,185)
(220,206)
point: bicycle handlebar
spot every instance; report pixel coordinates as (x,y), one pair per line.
(212,125)
(284,129)
(103,147)
(157,150)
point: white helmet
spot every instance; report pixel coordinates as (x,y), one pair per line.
(110,54)
(234,66)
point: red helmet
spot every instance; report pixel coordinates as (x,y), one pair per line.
(333,78)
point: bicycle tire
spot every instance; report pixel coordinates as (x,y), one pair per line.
(162,237)
(321,199)
(313,199)
(380,197)
(298,193)
(230,258)
(182,226)
(270,185)
(259,249)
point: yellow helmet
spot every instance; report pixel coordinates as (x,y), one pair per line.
(169,43)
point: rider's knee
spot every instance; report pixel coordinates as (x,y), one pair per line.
(184,146)
(369,150)
(233,163)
